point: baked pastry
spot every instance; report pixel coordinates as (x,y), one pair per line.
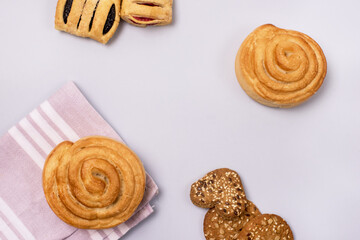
(266,227)
(88,18)
(221,189)
(93,183)
(280,68)
(144,13)
(218,228)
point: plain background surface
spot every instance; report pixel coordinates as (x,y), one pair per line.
(172,94)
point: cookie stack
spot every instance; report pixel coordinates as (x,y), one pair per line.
(231,215)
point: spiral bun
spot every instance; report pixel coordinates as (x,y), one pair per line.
(280,68)
(93,183)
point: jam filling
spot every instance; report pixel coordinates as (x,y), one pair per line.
(67,10)
(81,15)
(110,20)
(148,4)
(143,19)
(151,24)
(134,22)
(78,22)
(92,18)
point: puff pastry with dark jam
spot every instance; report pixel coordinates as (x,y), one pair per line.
(144,13)
(96,19)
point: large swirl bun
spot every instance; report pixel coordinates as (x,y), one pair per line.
(93,183)
(280,68)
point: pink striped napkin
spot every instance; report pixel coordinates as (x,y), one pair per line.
(24,212)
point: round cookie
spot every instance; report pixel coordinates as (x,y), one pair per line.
(266,227)
(218,228)
(222,189)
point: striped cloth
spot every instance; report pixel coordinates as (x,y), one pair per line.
(24,212)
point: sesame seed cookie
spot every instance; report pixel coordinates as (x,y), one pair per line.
(222,189)
(266,227)
(218,228)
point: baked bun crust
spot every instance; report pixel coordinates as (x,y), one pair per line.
(280,68)
(94,183)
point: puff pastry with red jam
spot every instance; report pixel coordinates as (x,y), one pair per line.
(96,19)
(144,13)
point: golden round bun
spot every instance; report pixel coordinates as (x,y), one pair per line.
(280,68)
(94,183)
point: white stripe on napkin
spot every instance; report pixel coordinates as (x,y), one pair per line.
(27,146)
(59,121)
(15,221)
(113,236)
(123,228)
(43,125)
(95,235)
(36,136)
(9,234)
(108,231)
